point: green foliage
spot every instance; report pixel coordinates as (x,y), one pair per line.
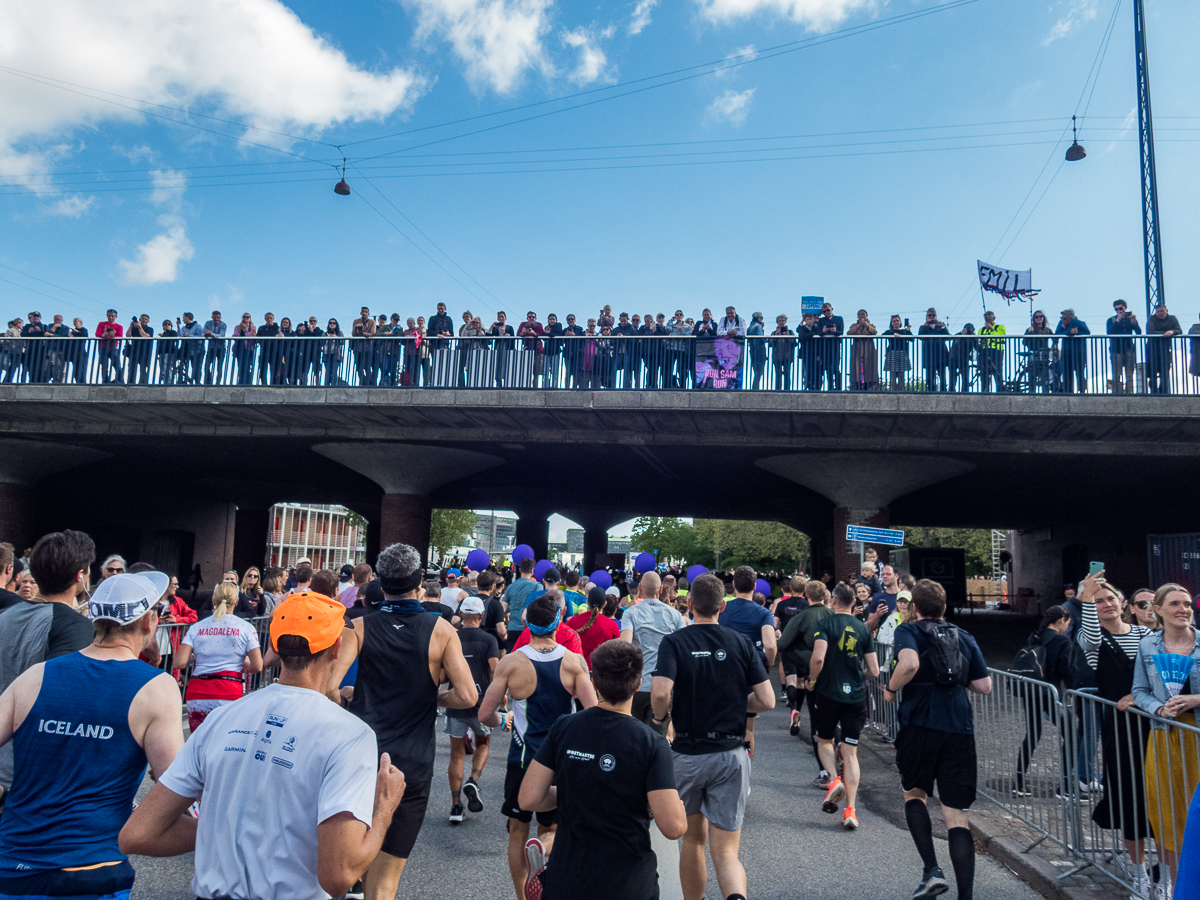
(450,528)
(673,538)
(976,542)
(724,542)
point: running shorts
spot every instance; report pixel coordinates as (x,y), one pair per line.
(512,808)
(100,883)
(643,711)
(458,728)
(714,785)
(789,667)
(927,757)
(407,820)
(829,714)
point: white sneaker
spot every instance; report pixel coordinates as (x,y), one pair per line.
(1142,889)
(1089,787)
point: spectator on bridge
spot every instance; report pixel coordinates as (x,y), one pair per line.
(1074,351)
(214,359)
(141,351)
(572,353)
(11,353)
(991,354)
(757,348)
(363,328)
(271,352)
(553,347)
(864,365)
(531,331)
(896,362)
(1040,353)
(605,318)
(166,351)
(1194,367)
(962,349)
(1165,327)
(440,327)
(77,351)
(109,348)
(783,353)
(35,363)
(243,350)
(501,329)
(733,325)
(934,354)
(624,351)
(806,353)
(191,352)
(1120,349)
(706,327)
(56,351)
(333,351)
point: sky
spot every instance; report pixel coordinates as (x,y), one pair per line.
(534,154)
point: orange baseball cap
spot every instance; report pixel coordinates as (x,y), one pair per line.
(311,616)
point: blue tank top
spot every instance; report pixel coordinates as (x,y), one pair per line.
(77,767)
(533,716)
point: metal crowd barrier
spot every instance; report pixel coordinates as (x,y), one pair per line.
(169,638)
(881,715)
(971,364)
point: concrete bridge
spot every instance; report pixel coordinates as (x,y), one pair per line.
(182,474)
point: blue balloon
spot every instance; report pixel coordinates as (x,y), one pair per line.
(540,570)
(645,562)
(522,552)
(695,572)
(478,560)
(763,588)
(601,579)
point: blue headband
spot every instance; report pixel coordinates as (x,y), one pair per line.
(538,629)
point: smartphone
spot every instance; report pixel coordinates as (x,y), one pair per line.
(1095,568)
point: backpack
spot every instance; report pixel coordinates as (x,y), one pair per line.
(943,653)
(1030,661)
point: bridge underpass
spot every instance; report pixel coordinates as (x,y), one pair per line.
(1088,475)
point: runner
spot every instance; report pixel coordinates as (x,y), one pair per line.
(481,653)
(746,617)
(711,670)
(593,626)
(842,650)
(936,743)
(517,595)
(644,625)
(293,805)
(453,593)
(493,609)
(564,634)
(576,601)
(402,652)
(605,774)
(786,608)
(543,677)
(224,647)
(83,728)
(797,642)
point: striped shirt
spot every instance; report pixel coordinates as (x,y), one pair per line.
(1090,636)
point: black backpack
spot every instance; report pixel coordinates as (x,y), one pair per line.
(1030,661)
(943,653)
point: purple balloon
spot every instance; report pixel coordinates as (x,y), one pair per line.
(601,579)
(540,570)
(763,588)
(695,572)
(645,562)
(522,552)
(478,560)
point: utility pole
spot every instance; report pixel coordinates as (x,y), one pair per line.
(1151,242)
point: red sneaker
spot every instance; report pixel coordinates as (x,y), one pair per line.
(535,859)
(833,796)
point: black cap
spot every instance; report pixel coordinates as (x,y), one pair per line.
(347,572)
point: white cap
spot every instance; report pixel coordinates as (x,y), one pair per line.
(612,591)
(472,606)
(127,597)
(302,560)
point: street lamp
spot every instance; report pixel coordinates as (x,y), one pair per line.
(1074,153)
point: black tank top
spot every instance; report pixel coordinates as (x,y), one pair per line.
(394,693)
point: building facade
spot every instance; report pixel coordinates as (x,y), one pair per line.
(330,536)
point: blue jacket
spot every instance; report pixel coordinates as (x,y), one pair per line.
(1148,690)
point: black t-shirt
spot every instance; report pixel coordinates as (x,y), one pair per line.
(69,631)
(847,641)
(714,669)
(787,607)
(605,764)
(8,598)
(438,609)
(478,647)
(493,615)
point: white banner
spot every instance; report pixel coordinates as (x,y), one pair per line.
(1006,282)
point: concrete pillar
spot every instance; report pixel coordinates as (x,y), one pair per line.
(16,520)
(845,553)
(250,527)
(595,543)
(534,529)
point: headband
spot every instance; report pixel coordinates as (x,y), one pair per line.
(547,629)
(394,587)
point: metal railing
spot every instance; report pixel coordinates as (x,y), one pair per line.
(169,637)
(970,364)
(881,715)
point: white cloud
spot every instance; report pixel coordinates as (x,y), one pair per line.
(253,60)
(819,15)
(736,59)
(167,187)
(593,63)
(641,16)
(72,207)
(158,259)
(497,40)
(731,106)
(1080,12)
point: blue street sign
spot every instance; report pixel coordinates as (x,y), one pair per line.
(884,536)
(811,305)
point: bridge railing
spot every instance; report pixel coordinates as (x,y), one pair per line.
(992,364)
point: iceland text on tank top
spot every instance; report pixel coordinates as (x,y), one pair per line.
(393,691)
(77,767)
(533,716)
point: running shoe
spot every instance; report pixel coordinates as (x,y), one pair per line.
(821,781)
(356,892)
(456,814)
(474,798)
(794,729)
(535,859)
(932,884)
(833,796)
(469,742)
(849,819)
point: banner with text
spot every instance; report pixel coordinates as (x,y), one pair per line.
(1006,282)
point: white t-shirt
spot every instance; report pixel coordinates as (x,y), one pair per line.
(271,768)
(220,645)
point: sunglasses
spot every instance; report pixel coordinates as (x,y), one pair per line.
(113,570)
(1142,605)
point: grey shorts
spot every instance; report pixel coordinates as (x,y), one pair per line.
(457,728)
(715,785)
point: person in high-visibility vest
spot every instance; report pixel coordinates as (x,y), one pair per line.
(991,353)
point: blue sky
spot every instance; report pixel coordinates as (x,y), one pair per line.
(607,203)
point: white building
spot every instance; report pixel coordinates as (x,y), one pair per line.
(330,536)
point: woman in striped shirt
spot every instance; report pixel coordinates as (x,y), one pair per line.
(1111,646)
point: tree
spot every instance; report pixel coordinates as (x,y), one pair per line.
(976,542)
(666,537)
(449,528)
(763,545)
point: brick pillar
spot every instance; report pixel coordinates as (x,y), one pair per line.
(405,519)
(845,555)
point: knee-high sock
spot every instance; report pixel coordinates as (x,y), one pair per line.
(962,857)
(790,690)
(921,829)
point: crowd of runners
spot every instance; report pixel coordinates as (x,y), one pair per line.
(633,713)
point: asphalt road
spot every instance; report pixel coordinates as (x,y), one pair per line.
(789,846)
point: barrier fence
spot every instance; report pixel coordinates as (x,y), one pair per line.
(169,638)
(992,364)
